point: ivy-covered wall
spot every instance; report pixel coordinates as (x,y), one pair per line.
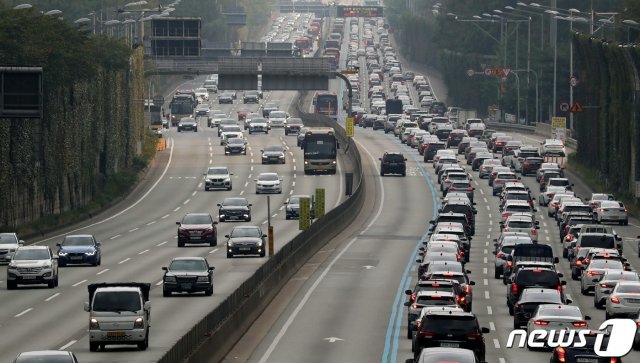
(608,130)
(91,130)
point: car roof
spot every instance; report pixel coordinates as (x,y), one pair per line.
(36,353)
(32,247)
(188,258)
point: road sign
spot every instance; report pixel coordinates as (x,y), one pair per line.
(558,128)
(488,72)
(497,72)
(349,71)
(506,71)
(577,107)
(319,210)
(349,127)
(305,214)
(563,106)
(356,11)
(573,81)
(470,72)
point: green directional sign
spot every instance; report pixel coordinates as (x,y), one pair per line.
(305,214)
(319,203)
(359,11)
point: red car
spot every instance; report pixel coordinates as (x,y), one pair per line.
(242,114)
(197,228)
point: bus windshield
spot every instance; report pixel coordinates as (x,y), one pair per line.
(320,147)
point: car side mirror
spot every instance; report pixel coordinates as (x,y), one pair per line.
(407,303)
(218,205)
(485,330)
(204,173)
(495,240)
(21,243)
(264,236)
(250,205)
(261,151)
(518,178)
(226,236)
(468,271)
(211,268)
(98,243)
(569,301)
(563,283)
(560,274)
(379,158)
(472,283)
(147,305)
(59,245)
(535,210)
(178,223)
(405,159)
(408,292)
(164,268)
(556,260)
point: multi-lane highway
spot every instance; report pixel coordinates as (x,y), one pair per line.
(139,237)
(347,305)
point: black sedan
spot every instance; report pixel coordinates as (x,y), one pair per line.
(188,274)
(79,249)
(246,240)
(235,145)
(273,154)
(234,209)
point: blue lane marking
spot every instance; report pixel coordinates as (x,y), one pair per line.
(395,320)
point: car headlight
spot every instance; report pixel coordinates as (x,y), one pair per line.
(203,279)
(281,157)
(306,162)
(62,253)
(180,125)
(90,253)
(222,215)
(259,243)
(227,179)
(139,323)
(230,243)
(265,156)
(333,162)
(12,266)
(169,279)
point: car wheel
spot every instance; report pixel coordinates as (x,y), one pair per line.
(93,347)
(511,313)
(607,316)
(11,285)
(287,217)
(213,243)
(179,129)
(597,304)
(62,264)
(409,333)
(206,189)
(166,293)
(565,253)
(95,262)
(145,343)
(496,273)
(56,281)
(195,130)
(249,132)
(180,244)
(209,291)
(51,284)
(262,254)
(230,187)
(574,275)
(229,255)
(583,291)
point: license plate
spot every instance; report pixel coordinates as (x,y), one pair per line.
(185,286)
(195,237)
(115,334)
(244,249)
(450,345)
(587,360)
(28,277)
(76,258)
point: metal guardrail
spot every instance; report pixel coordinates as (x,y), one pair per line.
(543,130)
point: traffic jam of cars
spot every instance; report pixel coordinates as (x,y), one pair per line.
(469,162)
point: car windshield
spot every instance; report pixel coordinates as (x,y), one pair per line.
(78,241)
(217,171)
(394,158)
(520,224)
(236,202)
(231,129)
(606,264)
(116,301)
(36,254)
(268,177)
(277,114)
(294,121)
(8,238)
(601,241)
(236,140)
(188,265)
(45,358)
(202,107)
(246,232)
(294,200)
(628,289)
(436,300)
(607,204)
(196,219)
(270,105)
(273,148)
(445,324)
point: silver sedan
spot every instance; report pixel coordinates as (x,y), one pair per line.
(595,269)
(624,300)
(557,317)
(608,282)
(611,211)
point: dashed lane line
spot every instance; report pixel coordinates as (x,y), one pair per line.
(52,296)
(22,313)
(143,252)
(79,283)
(103,271)
(161,243)
(123,261)
(114,237)
(489,310)
(150,223)
(64,347)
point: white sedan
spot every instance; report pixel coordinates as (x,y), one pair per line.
(624,300)
(611,211)
(557,317)
(268,183)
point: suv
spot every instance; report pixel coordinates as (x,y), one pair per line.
(532,277)
(236,209)
(197,228)
(440,327)
(393,162)
(250,97)
(32,265)
(9,242)
(217,177)
(431,150)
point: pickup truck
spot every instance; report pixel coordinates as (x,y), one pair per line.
(119,313)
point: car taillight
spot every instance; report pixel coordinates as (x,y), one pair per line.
(554,204)
(414,306)
(615,300)
(467,289)
(475,336)
(580,324)
(560,354)
(570,237)
(484,168)
(505,215)
(601,209)
(509,264)
(425,334)
(526,165)
(500,255)
(469,189)
(566,229)
(413,297)
(534,232)
(514,287)
(625,210)
(586,261)
(559,288)
(541,322)
(593,273)
(614,360)
(578,263)
(542,180)
(461,299)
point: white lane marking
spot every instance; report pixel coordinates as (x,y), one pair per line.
(114,237)
(52,297)
(475,182)
(492,326)
(481,191)
(68,345)
(294,168)
(486,295)
(488,208)
(485,200)
(79,283)
(484,270)
(143,252)
(489,310)
(161,243)
(241,192)
(123,261)
(275,215)
(281,207)
(210,161)
(200,185)
(311,290)
(294,159)
(186,201)
(293,184)
(265,222)
(246,184)
(159,283)
(501,360)
(249,177)
(547,238)
(252,161)
(485,251)
(22,313)
(164,216)
(133,230)
(150,223)
(290,192)
(489,230)
(103,271)
(490,222)
(194,193)
(291,153)
(294,175)
(213,250)
(485,260)
(486,243)
(251,168)
(496,343)
(124,210)
(176,209)
(485,282)
(544,223)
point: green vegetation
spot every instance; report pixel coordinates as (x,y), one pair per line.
(84,152)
